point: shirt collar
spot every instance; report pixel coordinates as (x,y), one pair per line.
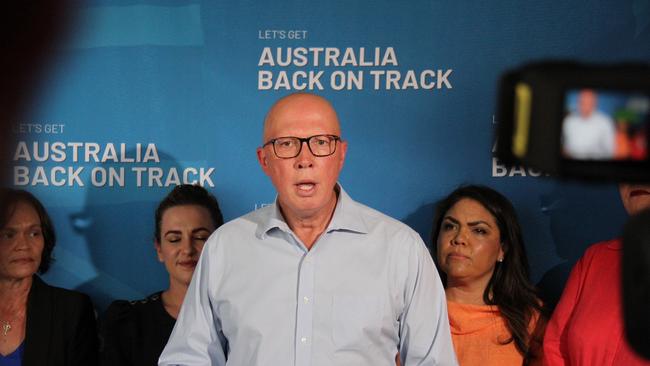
(347,217)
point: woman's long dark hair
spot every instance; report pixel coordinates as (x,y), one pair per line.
(509,287)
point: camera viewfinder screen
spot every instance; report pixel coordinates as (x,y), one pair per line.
(605,124)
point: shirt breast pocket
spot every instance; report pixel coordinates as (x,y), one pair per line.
(356,321)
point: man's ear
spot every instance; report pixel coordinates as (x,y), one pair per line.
(343,145)
(262,159)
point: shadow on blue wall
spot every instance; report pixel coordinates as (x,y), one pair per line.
(117,225)
(578,218)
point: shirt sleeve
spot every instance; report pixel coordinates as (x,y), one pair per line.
(196,338)
(555,345)
(425,338)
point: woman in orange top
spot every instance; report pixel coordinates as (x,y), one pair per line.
(493,308)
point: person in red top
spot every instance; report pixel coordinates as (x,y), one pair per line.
(587,325)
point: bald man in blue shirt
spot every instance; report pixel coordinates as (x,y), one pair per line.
(316,279)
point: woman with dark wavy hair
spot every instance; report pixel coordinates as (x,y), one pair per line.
(39,324)
(494,312)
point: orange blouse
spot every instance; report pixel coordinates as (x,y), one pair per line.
(478,332)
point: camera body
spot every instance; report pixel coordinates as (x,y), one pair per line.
(575,120)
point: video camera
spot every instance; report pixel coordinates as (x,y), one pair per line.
(575,120)
(592,122)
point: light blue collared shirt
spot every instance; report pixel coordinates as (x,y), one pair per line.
(366,290)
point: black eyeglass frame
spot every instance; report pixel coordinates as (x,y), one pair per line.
(302,140)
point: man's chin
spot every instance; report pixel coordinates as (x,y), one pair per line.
(303,206)
(306,208)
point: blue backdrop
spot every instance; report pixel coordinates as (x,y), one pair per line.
(148,93)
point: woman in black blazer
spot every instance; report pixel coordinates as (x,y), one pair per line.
(39,324)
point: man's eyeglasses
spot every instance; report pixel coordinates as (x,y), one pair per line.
(290,147)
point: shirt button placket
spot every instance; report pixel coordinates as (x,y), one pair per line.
(305,312)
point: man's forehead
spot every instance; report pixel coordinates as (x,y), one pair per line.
(306,113)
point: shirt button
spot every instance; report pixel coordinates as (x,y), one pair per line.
(305,300)
(303,339)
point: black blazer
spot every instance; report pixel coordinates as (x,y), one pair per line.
(61,329)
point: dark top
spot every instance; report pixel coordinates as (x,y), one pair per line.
(61,328)
(135,332)
(14,358)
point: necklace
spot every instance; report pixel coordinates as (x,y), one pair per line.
(6,327)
